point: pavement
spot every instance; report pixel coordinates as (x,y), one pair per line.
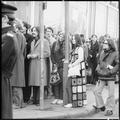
(59,112)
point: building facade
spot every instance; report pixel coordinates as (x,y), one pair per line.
(87,17)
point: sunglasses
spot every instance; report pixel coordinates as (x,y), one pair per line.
(105,43)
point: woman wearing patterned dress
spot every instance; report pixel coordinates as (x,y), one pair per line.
(75,66)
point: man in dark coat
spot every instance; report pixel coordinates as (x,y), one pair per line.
(93,53)
(29,39)
(9,43)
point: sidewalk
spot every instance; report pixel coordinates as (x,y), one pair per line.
(58,111)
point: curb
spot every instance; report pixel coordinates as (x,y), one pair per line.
(85,113)
(75,115)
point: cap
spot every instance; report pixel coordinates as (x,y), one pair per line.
(8,10)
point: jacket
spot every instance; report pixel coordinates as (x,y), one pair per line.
(109,58)
(58,53)
(18,78)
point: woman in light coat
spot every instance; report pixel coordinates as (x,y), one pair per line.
(34,73)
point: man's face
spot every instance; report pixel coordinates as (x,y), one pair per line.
(48,33)
(94,38)
(5,20)
(105,45)
(24,29)
(61,36)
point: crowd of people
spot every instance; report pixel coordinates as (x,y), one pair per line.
(96,57)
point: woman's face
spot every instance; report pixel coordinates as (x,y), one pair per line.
(73,40)
(34,32)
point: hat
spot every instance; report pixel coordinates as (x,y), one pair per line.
(8,10)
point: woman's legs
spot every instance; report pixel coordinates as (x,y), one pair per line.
(56,89)
(61,91)
(69,90)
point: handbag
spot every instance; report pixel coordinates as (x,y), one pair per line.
(55,78)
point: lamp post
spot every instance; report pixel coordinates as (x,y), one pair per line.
(65,71)
(41,24)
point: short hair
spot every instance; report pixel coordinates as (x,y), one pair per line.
(49,29)
(94,35)
(81,35)
(25,24)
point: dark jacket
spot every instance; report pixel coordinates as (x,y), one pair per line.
(94,50)
(58,53)
(109,58)
(8,51)
(18,77)
(8,61)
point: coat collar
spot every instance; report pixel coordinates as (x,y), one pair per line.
(6,29)
(37,43)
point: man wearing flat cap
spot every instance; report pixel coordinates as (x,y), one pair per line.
(9,43)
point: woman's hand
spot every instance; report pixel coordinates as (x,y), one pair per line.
(70,65)
(29,56)
(33,55)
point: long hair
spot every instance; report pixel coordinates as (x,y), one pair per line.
(111,44)
(78,40)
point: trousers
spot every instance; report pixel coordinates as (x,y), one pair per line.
(18,96)
(7,111)
(110,102)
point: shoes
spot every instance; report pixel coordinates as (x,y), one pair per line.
(23,105)
(99,109)
(59,102)
(15,106)
(108,113)
(68,105)
(55,101)
(30,102)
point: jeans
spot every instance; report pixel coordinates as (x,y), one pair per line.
(110,102)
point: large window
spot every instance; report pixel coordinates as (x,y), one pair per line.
(100,19)
(23,11)
(113,22)
(54,15)
(78,17)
